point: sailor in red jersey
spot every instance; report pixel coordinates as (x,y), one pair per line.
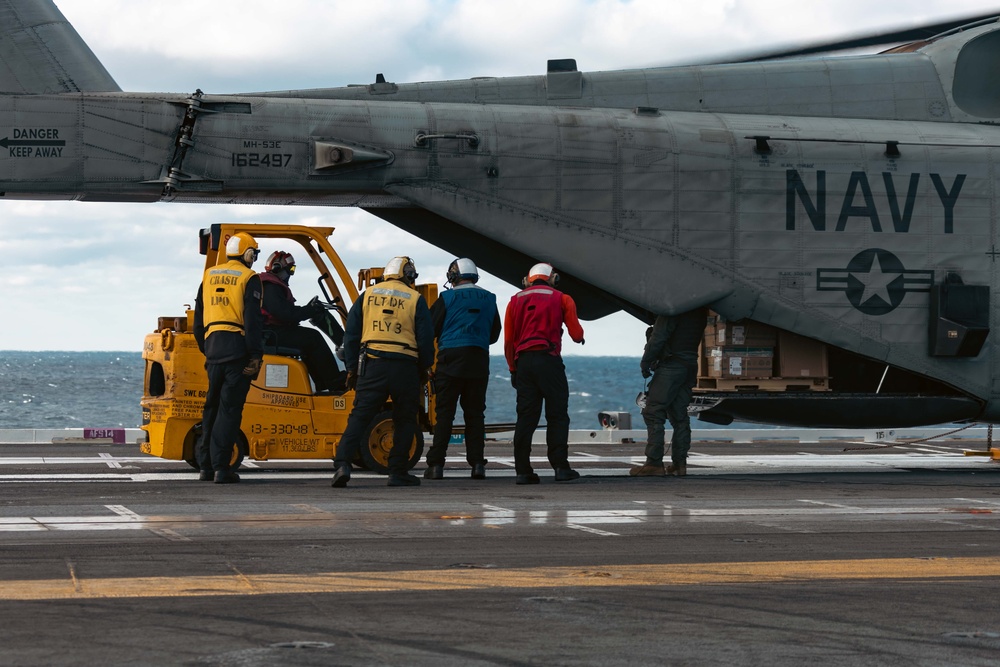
(532,344)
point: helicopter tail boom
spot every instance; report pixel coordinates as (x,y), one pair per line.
(43,53)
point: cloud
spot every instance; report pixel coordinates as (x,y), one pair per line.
(96,276)
(247,45)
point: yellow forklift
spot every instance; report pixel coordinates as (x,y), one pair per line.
(283,417)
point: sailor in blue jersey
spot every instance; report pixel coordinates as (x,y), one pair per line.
(466,321)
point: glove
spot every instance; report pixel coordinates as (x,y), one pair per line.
(352,380)
(513,379)
(252,369)
(315,309)
(583,342)
(644,368)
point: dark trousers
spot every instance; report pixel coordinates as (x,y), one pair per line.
(316,354)
(383,379)
(220,421)
(541,377)
(472,393)
(668,398)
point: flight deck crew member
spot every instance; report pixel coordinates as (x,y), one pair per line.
(227,327)
(282,316)
(466,321)
(388,348)
(532,344)
(671,357)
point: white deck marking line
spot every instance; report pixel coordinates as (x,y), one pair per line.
(977,500)
(170,535)
(790,529)
(595,531)
(121,510)
(820,502)
(498,516)
(931,450)
(804,459)
(166,533)
(74,460)
(110,460)
(126,519)
(494,508)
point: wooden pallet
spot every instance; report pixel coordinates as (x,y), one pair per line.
(763,384)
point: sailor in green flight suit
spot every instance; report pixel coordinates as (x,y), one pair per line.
(671,357)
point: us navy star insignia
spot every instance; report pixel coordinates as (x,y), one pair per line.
(875,281)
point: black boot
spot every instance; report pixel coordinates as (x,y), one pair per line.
(226,477)
(342,476)
(403,479)
(566,475)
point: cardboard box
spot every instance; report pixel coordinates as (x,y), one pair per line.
(744,333)
(801,357)
(740,362)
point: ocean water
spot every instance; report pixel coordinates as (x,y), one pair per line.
(70,389)
(102,390)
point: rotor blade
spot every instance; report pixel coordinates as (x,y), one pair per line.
(911,34)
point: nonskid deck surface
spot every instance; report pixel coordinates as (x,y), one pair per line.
(766,550)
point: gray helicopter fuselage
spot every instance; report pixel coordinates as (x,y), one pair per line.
(825,197)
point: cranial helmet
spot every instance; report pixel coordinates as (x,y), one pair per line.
(280,260)
(462,269)
(243,247)
(542,271)
(401,268)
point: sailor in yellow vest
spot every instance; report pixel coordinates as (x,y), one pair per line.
(227,326)
(388,348)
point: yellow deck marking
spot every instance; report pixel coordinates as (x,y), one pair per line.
(683,574)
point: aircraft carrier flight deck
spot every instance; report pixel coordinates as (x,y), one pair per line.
(767,552)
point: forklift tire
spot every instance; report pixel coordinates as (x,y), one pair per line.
(190,444)
(377,441)
(240,448)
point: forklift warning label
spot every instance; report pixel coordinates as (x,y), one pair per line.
(294,445)
(286,400)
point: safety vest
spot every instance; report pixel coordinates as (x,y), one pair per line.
(538,319)
(222,292)
(271,279)
(468,320)
(389,313)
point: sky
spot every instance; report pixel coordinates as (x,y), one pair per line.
(89,276)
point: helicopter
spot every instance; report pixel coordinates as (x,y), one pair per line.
(846,200)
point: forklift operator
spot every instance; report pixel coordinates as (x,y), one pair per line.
(282,316)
